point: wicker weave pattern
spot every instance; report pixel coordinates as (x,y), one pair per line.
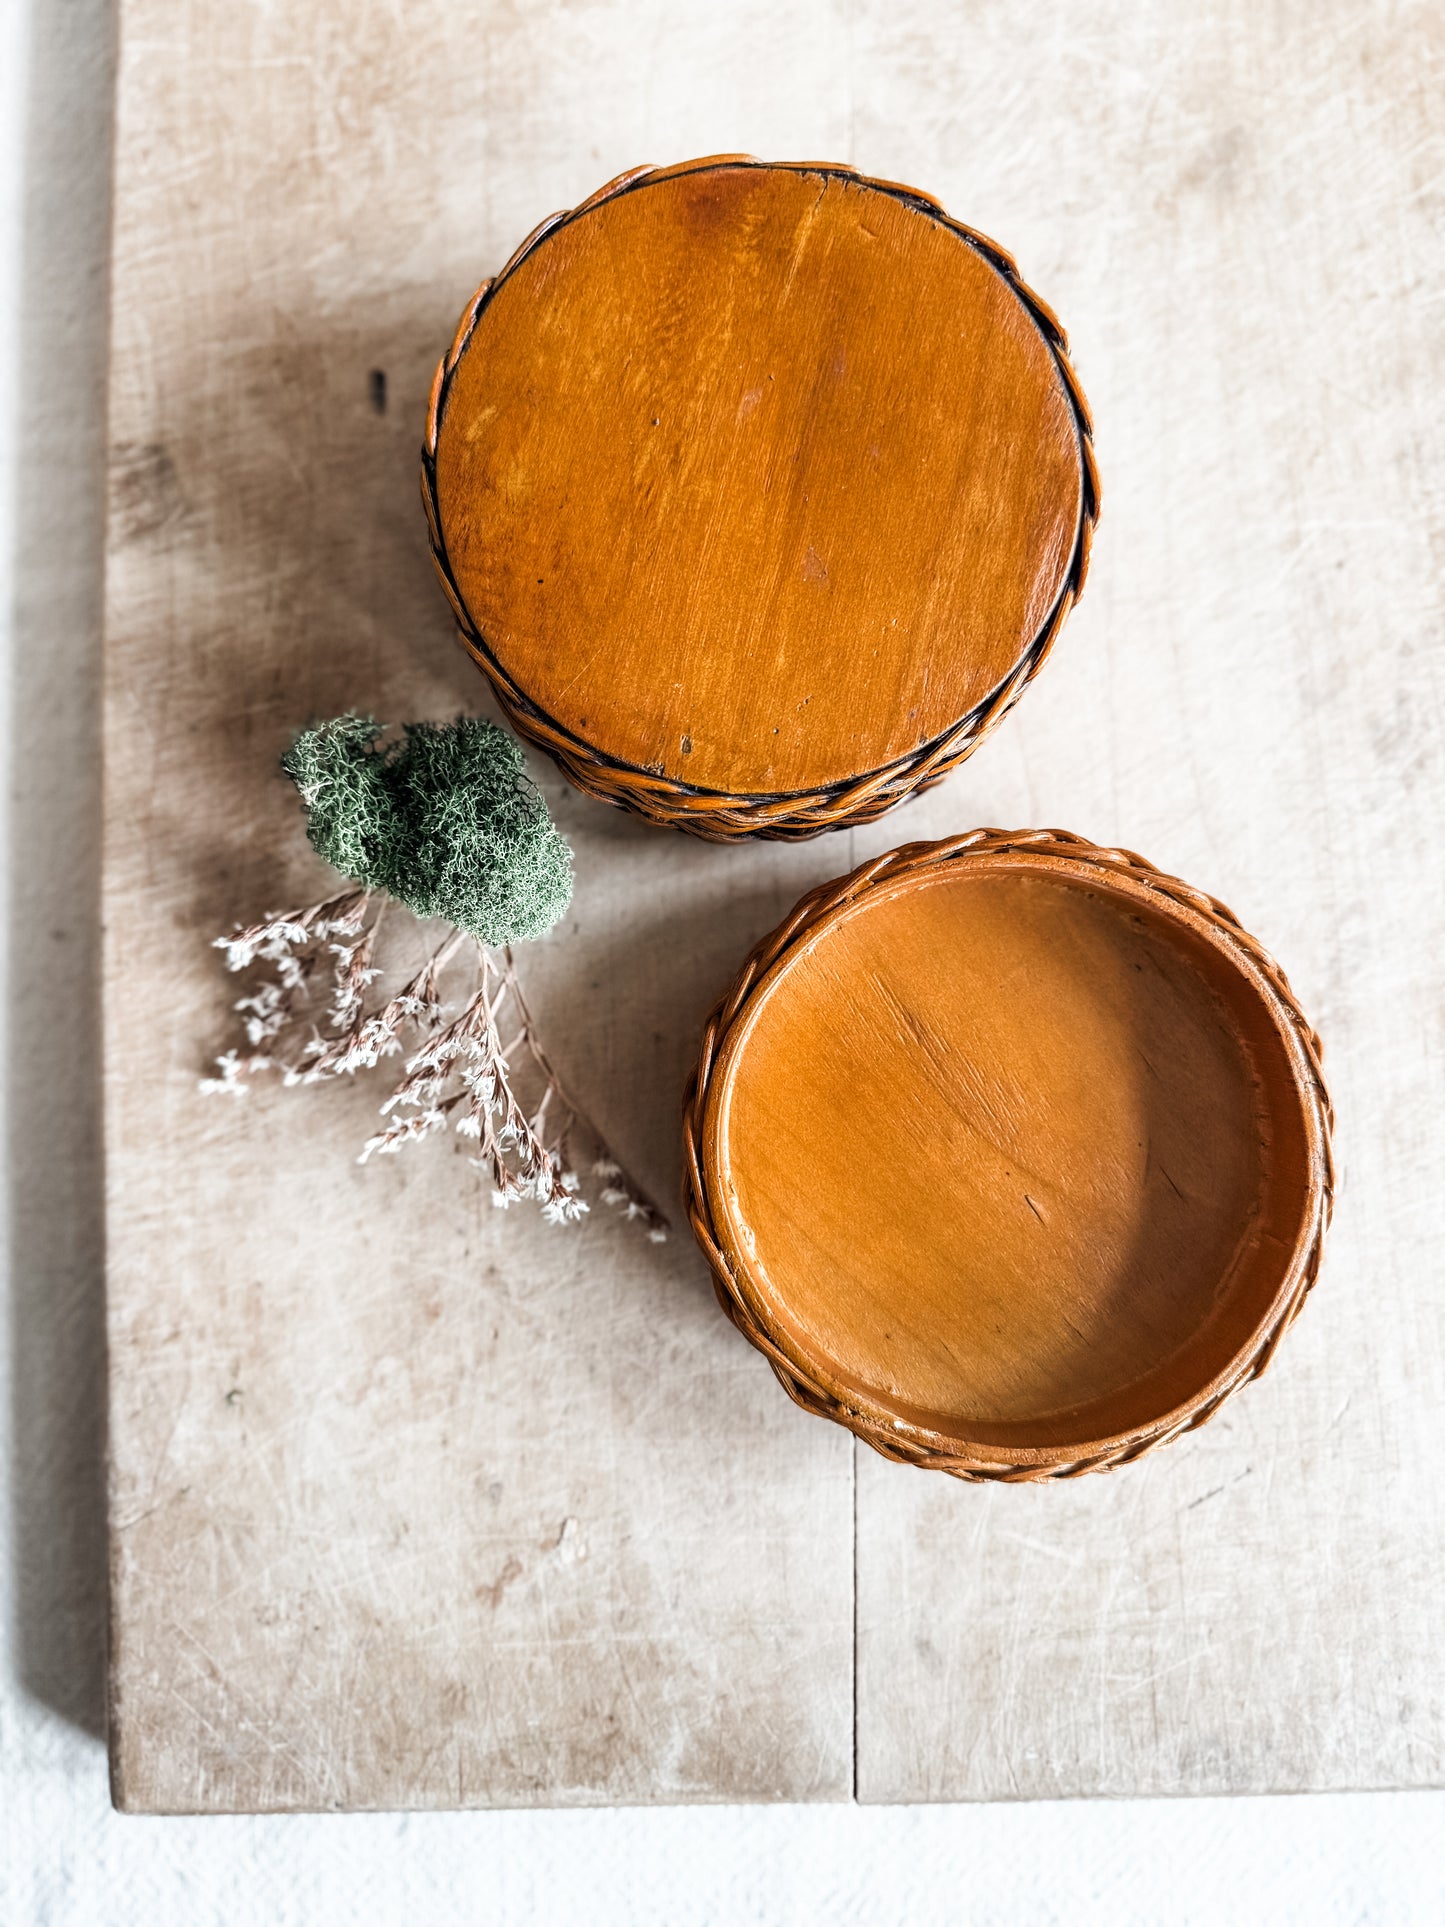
(921,1449)
(716,816)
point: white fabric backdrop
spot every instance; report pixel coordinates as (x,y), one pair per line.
(64,1856)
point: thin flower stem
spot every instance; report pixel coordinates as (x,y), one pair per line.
(639,1205)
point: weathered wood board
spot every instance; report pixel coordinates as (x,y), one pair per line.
(1246,243)
(353,1411)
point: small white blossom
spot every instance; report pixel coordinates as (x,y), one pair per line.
(231,1082)
(564,1210)
(400,1133)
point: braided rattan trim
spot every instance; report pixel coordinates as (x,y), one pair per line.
(715,815)
(908,1445)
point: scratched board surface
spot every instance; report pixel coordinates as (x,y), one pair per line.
(415,1503)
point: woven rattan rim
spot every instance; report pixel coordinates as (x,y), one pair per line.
(712,814)
(910,1444)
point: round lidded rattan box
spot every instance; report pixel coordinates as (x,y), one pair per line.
(759,492)
(1011,1154)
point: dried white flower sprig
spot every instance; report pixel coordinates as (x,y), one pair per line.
(316,1018)
(445,822)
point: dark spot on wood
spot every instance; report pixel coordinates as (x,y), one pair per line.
(146,498)
(378,390)
(510,1572)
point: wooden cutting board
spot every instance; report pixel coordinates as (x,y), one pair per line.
(415,1503)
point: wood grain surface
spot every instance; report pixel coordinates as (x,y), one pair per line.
(1107,1170)
(353,1411)
(757,478)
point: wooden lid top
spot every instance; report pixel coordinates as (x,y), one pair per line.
(759,477)
(1015,1152)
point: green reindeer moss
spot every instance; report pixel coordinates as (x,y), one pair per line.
(443,817)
